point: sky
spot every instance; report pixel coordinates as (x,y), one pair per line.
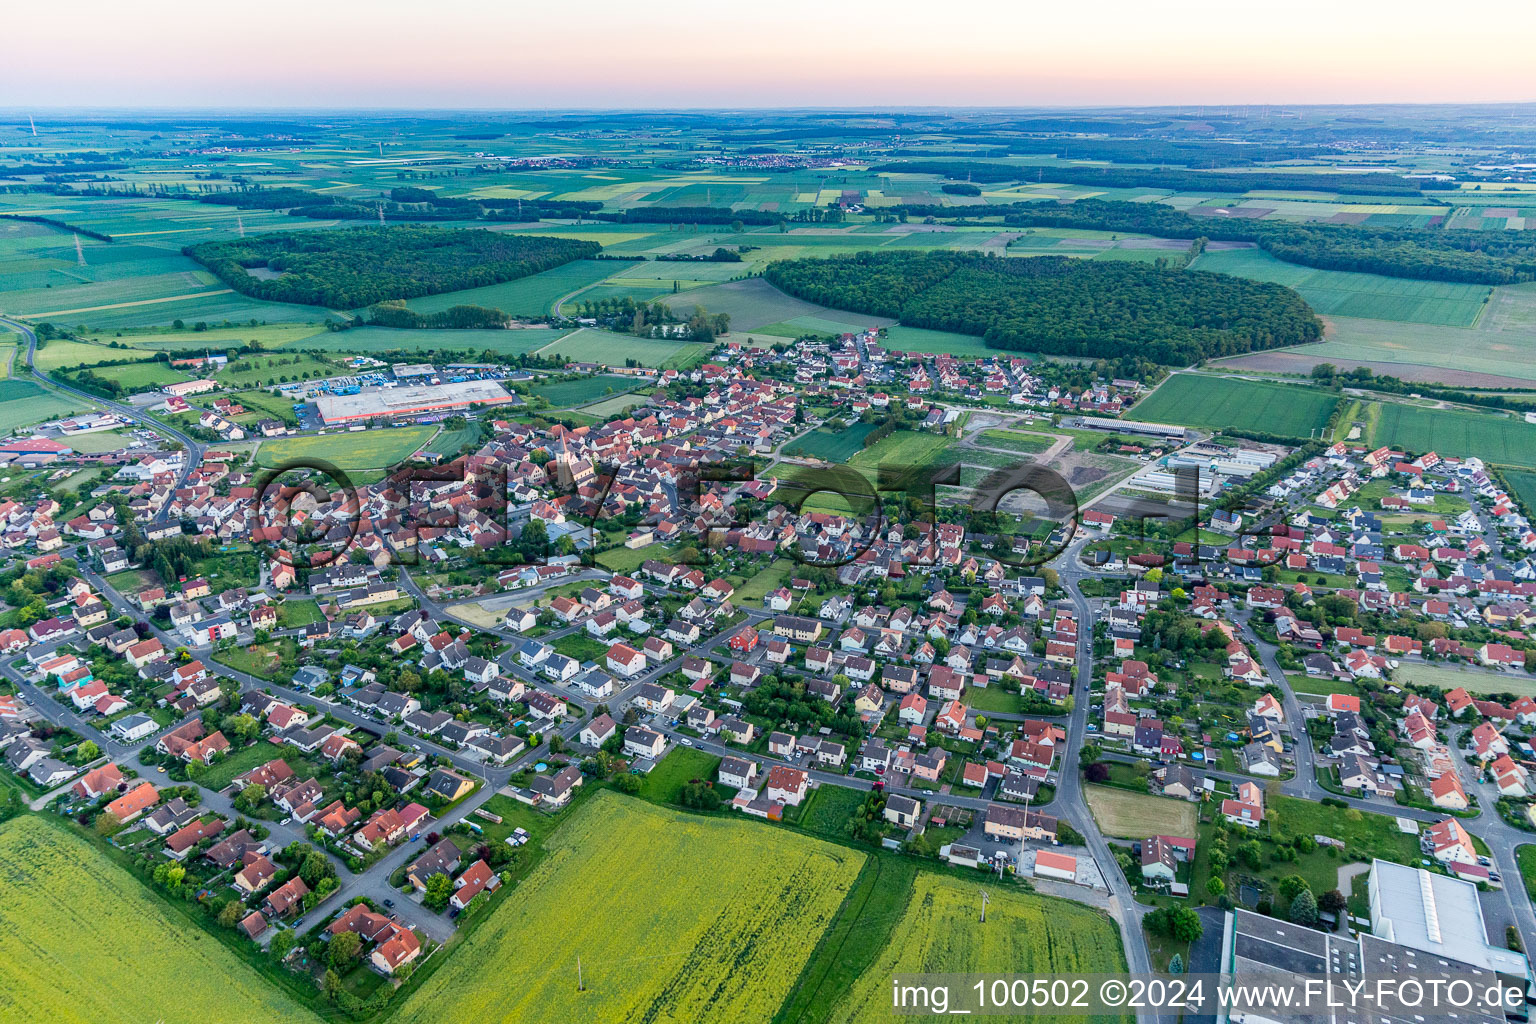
(490,54)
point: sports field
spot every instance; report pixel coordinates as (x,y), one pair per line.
(1214,403)
(679,945)
(1497,438)
(1126,815)
(86,942)
(832,445)
(939,933)
(374,448)
(1341,293)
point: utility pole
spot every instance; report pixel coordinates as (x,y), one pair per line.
(79,252)
(579,986)
(983,906)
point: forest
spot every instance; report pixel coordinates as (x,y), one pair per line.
(1060,306)
(1364,184)
(349,268)
(1426,254)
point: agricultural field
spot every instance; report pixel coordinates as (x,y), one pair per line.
(23,402)
(1215,403)
(920,339)
(1475,681)
(254,371)
(832,445)
(531,296)
(612,349)
(135,377)
(380,341)
(583,391)
(938,933)
(1369,296)
(754,304)
(1524,487)
(1493,437)
(612,406)
(364,449)
(678,946)
(1127,815)
(74,925)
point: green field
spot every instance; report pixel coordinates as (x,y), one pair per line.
(364,449)
(380,341)
(920,339)
(135,377)
(74,926)
(939,934)
(832,445)
(612,405)
(23,402)
(1216,403)
(1340,293)
(563,394)
(612,349)
(1503,439)
(677,946)
(906,448)
(528,296)
(1523,486)
(253,371)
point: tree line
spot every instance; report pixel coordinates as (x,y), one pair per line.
(356,267)
(1174,179)
(1428,254)
(1060,306)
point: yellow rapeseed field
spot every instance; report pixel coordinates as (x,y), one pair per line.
(82,940)
(677,918)
(940,933)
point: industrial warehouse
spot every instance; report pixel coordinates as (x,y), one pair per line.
(420,400)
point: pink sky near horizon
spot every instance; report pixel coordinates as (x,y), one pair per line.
(704,53)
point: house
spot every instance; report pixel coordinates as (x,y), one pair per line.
(738,772)
(440,859)
(787,785)
(556,790)
(1447,792)
(282,900)
(1247,808)
(642,742)
(134,802)
(99,781)
(596,731)
(902,810)
(447,785)
(624,661)
(1016,823)
(1449,843)
(654,698)
(477,878)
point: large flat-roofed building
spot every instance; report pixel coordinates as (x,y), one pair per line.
(1259,950)
(183,388)
(407,370)
(413,401)
(1437,914)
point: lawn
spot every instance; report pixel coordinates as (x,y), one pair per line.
(240,761)
(583,647)
(1476,681)
(1024,934)
(74,926)
(906,448)
(673,914)
(1525,856)
(364,449)
(1126,815)
(832,445)
(295,614)
(678,767)
(770,579)
(627,560)
(1217,403)
(829,810)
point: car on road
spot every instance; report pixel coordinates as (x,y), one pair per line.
(685,741)
(285,821)
(161,769)
(415,837)
(389,904)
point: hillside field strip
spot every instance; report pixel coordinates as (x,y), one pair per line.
(22,403)
(363,449)
(612,349)
(1126,815)
(530,296)
(567,394)
(1215,403)
(939,934)
(685,943)
(84,941)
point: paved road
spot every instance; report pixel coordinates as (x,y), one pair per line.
(194,449)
